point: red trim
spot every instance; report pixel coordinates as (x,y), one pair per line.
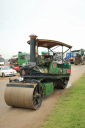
(79,58)
(54,65)
(16,68)
(69,71)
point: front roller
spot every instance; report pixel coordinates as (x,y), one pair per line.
(28,95)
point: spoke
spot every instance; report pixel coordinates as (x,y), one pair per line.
(34,101)
(37,97)
(37,100)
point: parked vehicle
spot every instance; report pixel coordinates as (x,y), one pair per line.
(69,57)
(7,71)
(17,61)
(1,61)
(7,62)
(79,57)
(14,61)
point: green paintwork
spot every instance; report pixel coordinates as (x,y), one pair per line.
(22,58)
(64,71)
(47,88)
(65,65)
(53,68)
(44,52)
(43,62)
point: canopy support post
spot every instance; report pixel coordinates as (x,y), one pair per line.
(62,58)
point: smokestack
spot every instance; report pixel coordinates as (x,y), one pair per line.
(32,47)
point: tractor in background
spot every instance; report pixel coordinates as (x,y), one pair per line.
(79,57)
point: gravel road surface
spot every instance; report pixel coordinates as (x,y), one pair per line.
(25,118)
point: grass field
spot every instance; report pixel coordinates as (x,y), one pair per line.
(69,110)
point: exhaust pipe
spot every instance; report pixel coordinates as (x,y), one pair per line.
(32,48)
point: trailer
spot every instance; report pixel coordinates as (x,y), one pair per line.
(38,76)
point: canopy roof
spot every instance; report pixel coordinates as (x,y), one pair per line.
(75,51)
(49,43)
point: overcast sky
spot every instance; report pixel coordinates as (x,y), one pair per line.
(62,20)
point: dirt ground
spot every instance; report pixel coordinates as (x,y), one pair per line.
(25,118)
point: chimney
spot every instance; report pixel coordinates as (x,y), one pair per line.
(32,47)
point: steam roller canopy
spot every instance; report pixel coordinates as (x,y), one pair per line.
(28,95)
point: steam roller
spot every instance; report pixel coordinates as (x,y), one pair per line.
(38,76)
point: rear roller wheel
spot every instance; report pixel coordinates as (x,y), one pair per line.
(61,83)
